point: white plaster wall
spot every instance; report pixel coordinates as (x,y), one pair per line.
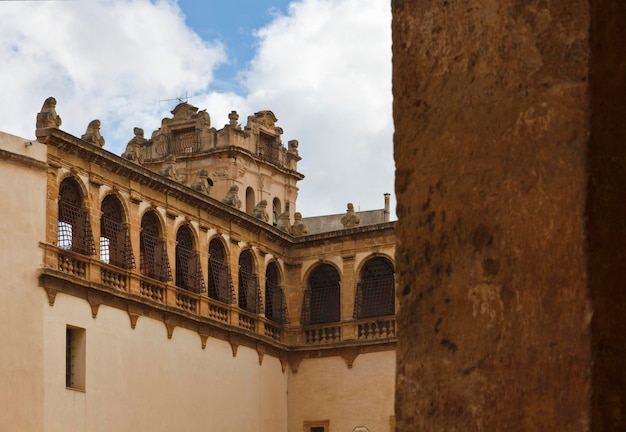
(138,380)
(325,389)
(23,200)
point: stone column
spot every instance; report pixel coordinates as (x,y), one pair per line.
(510,151)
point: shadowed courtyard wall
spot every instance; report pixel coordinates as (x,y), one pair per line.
(509,151)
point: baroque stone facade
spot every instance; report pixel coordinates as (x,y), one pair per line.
(159,239)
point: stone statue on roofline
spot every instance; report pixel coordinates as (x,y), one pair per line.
(260,211)
(169,170)
(92,135)
(133,148)
(48,117)
(283,222)
(298,228)
(202,183)
(350,219)
(232,198)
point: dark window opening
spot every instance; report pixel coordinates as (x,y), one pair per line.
(249,293)
(322,297)
(188,269)
(275,302)
(153,261)
(220,284)
(375,292)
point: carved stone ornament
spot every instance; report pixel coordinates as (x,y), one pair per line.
(92,135)
(169,169)
(202,183)
(260,211)
(232,198)
(133,148)
(298,228)
(350,219)
(48,117)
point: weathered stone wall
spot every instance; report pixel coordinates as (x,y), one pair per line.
(491,107)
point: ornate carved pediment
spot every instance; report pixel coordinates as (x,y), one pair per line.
(265,118)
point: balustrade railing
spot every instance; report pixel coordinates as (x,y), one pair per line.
(73,263)
(135,283)
(187,301)
(247,321)
(114,278)
(377,329)
(323,335)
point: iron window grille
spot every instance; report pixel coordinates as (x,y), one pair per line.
(275,301)
(115,247)
(74,229)
(153,260)
(375,291)
(321,303)
(188,269)
(220,283)
(249,290)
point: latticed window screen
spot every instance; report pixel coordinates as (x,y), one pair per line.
(321,302)
(375,292)
(74,228)
(220,283)
(249,290)
(188,269)
(115,247)
(275,302)
(153,261)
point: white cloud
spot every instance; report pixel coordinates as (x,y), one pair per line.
(324,69)
(100,59)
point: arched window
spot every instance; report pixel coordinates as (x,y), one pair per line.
(249,293)
(322,296)
(276,210)
(188,269)
(153,260)
(250,203)
(220,284)
(74,230)
(275,304)
(375,293)
(115,245)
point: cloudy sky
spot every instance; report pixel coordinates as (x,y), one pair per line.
(322,66)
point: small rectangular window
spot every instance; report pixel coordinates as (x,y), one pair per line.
(75,348)
(317,426)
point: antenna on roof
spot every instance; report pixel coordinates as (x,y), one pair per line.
(180,99)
